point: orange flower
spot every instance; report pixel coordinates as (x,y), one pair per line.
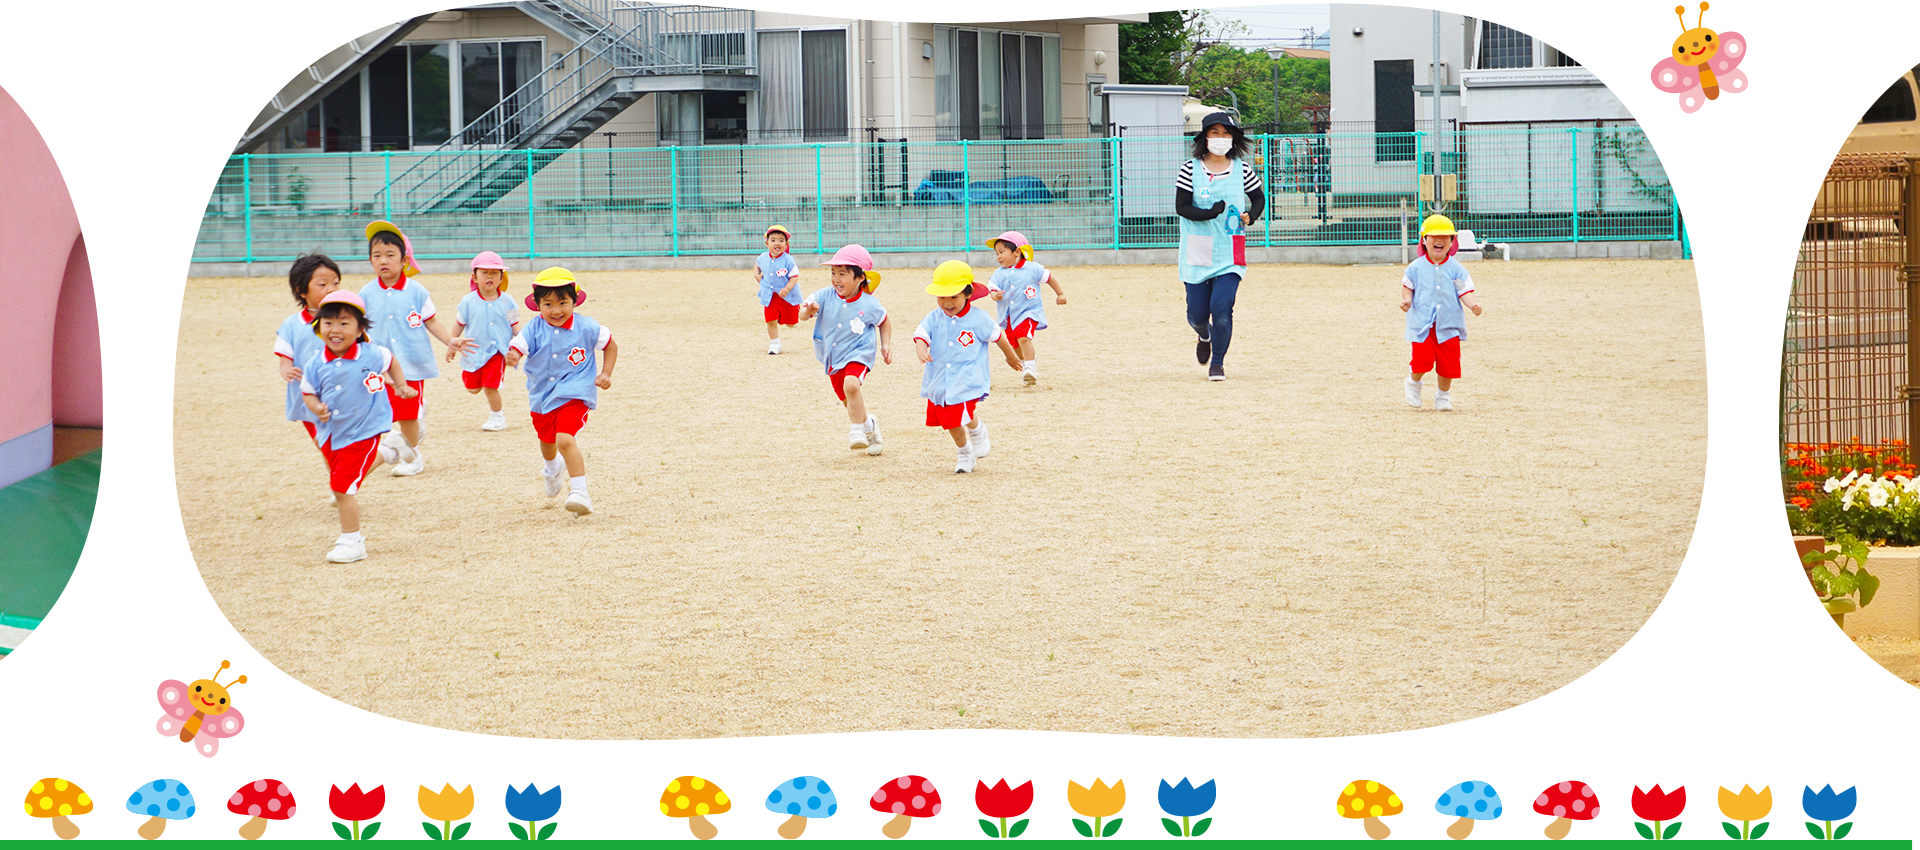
(1800,502)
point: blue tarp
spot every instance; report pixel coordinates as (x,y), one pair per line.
(944,188)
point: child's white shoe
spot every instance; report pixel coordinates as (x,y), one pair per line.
(347,551)
(1028,375)
(556,479)
(1442,401)
(963,461)
(1413,393)
(857,437)
(579,503)
(496,421)
(977,438)
(773,346)
(873,436)
(410,467)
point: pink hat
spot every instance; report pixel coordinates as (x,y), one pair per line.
(1020,244)
(488,260)
(857,257)
(341,296)
(409,267)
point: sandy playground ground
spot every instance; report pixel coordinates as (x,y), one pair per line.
(1292,552)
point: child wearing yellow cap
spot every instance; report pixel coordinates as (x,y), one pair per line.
(404,319)
(952,342)
(1433,292)
(562,383)
(779,279)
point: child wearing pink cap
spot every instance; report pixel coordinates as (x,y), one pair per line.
(485,322)
(853,327)
(1016,285)
(779,279)
(404,322)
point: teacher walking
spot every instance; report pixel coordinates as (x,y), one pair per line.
(1217,195)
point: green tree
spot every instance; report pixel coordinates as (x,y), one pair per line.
(1194,49)
(1146,50)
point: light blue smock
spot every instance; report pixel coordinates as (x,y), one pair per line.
(400,319)
(489,324)
(354,389)
(845,331)
(1022,285)
(959,371)
(296,341)
(560,361)
(1436,299)
(1207,247)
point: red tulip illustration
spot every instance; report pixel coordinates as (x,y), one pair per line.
(1658,806)
(1003,802)
(356,805)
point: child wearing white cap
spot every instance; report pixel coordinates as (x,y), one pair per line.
(1016,285)
(852,328)
(779,279)
(488,321)
(952,342)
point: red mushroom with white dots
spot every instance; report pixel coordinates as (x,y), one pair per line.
(261,801)
(905,798)
(1567,802)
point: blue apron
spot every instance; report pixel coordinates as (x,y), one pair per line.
(1218,245)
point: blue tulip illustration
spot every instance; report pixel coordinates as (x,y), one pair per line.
(532,806)
(1186,803)
(1828,807)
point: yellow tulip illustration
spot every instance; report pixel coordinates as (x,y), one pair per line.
(446,806)
(1746,807)
(1100,801)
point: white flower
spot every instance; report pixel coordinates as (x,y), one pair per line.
(1846,501)
(1877,495)
(1850,477)
(1832,484)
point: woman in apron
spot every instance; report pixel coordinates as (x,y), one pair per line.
(1217,195)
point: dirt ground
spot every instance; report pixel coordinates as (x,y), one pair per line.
(1878,708)
(1291,552)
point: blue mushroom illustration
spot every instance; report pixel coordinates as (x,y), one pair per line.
(800,798)
(1468,801)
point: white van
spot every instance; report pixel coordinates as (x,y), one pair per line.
(1891,124)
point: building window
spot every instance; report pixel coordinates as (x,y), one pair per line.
(1505,47)
(996,85)
(1393,110)
(803,85)
(415,96)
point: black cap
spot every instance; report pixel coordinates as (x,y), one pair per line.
(1224,119)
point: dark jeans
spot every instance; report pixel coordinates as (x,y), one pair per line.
(1210,311)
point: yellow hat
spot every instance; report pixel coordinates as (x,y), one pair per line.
(409,267)
(1436,225)
(553,276)
(950,278)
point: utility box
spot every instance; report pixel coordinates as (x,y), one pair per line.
(1147,120)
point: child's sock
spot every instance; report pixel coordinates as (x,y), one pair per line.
(351,537)
(1027,363)
(872,424)
(553,466)
(579,483)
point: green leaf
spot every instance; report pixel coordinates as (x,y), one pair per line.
(1733,832)
(341,830)
(1201,827)
(1841,831)
(1113,826)
(1673,829)
(547,831)
(1869,585)
(519,831)
(1173,829)
(1645,831)
(1815,829)
(1018,827)
(367,834)
(433,832)
(1757,831)
(990,828)
(1081,827)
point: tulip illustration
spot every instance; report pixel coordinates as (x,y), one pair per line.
(355,805)
(1000,801)
(1100,801)
(446,806)
(1658,806)
(1746,807)
(1186,803)
(532,806)
(1829,807)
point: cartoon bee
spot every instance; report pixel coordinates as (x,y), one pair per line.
(1703,58)
(200,713)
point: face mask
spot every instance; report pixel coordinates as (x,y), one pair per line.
(1219,147)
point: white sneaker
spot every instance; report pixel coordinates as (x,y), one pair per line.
(1413,393)
(977,437)
(1028,376)
(344,552)
(496,421)
(556,481)
(963,462)
(410,467)
(578,502)
(1442,401)
(773,346)
(857,437)
(873,439)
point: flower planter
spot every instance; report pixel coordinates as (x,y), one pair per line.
(1809,670)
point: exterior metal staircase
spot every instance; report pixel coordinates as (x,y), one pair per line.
(321,79)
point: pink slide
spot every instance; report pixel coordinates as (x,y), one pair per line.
(51,374)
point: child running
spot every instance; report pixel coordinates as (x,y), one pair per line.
(562,383)
(312,278)
(345,386)
(779,279)
(403,318)
(1016,285)
(488,321)
(952,342)
(851,328)
(1432,292)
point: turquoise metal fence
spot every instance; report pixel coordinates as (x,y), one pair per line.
(1558,184)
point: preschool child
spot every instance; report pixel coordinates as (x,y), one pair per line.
(952,342)
(562,381)
(779,279)
(852,327)
(403,318)
(1432,293)
(312,278)
(345,386)
(488,320)
(1016,285)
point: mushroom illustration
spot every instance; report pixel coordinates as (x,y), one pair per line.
(1469,801)
(802,797)
(695,798)
(1567,802)
(1371,801)
(161,800)
(906,798)
(59,799)
(261,800)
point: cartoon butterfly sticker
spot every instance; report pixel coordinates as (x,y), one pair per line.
(1704,59)
(200,713)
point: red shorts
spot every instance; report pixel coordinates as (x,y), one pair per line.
(313,433)
(347,467)
(1431,356)
(779,310)
(486,376)
(949,415)
(568,418)
(1022,331)
(408,409)
(857,370)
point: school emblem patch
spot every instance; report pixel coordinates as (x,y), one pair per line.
(577,356)
(375,383)
(1031,292)
(966,339)
(414,320)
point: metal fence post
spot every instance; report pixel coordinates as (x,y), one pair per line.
(966,195)
(819,201)
(531,253)
(1113,180)
(246,201)
(1419,165)
(673,189)
(1266,182)
(1910,204)
(1573,169)
(386,190)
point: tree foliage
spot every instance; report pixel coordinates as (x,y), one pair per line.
(1193,48)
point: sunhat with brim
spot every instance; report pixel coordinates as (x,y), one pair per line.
(857,257)
(950,278)
(1223,119)
(1019,241)
(488,260)
(1440,225)
(778,228)
(341,296)
(409,267)
(556,276)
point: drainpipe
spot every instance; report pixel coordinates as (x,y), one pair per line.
(899,84)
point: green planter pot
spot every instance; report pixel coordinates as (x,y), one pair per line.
(1809,670)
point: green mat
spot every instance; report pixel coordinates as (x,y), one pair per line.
(44,521)
(22,760)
